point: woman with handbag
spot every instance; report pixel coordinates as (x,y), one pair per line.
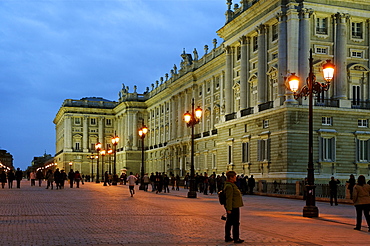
(361,199)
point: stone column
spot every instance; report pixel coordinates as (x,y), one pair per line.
(173,117)
(179,115)
(262,81)
(68,133)
(340,84)
(134,130)
(282,53)
(292,39)
(244,70)
(304,45)
(228,80)
(101,131)
(85,134)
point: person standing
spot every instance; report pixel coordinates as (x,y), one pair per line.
(205,184)
(361,199)
(351,183)
(57,178)
(106,178)
(333,185)
(131,183)
(233,203)
(166,182)
(11,177)
(39,176)
(49,178)
(251,184)
(146,180)
(71,176)
(18,177)
(178,182)
(3,179)
(63,177)
(33,178)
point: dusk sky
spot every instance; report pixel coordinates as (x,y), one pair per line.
(52,50)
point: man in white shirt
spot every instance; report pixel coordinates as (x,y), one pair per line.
(131,183)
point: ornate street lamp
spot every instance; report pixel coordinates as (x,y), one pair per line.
(115,141)
(92,157)
(98,148)
(142,132)
(102,153)
(312,87)
(191,120)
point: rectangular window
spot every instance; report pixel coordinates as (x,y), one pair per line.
(266,123)
(108,122)
(327,149)
(357,54)
(77,146)
(245,152)
(77,121)
(238,53)
(363,123)
(362,150)
(255,43)
(357,30)
(327,121)
(263,150)
(356,95)
(93,121)
(321,50)
(230,155)
(322,26)
(274,30)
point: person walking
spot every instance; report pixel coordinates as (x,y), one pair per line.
(233,203)
(178,182)
(39,176)
(351,183)
(50,179)
(57,178)
(11,178)
(333,186)
(106,178)
(361,199)
(77,179)
(18,177)
(131,183)
(3,179)
(63,178)
(71,176)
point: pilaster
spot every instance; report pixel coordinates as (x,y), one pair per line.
(244,68)
(228,80)
(85,134)
(262,81)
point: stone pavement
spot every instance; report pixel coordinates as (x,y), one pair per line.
(107,215)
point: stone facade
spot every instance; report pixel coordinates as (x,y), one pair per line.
(251,123)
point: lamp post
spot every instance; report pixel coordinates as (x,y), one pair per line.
(102,153)
(142,132)
(115,141)
(92,157)
(98,148)
(191,120)
(312,87)
(110,151)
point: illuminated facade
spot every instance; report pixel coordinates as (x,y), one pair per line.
(251,123)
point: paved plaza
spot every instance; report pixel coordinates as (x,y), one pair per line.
(106,215)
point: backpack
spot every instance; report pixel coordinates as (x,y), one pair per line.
(222,197)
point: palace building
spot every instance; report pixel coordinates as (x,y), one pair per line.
(251,123)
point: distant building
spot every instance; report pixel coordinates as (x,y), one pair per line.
(41,161)
(6,159)
(251,123)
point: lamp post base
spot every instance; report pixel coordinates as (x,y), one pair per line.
(310,212)
(192,194)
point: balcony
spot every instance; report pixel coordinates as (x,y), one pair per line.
(230,116)
(206,134)
(214,131)
(246,112)
(265,106)
(327,103)
(360,104)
